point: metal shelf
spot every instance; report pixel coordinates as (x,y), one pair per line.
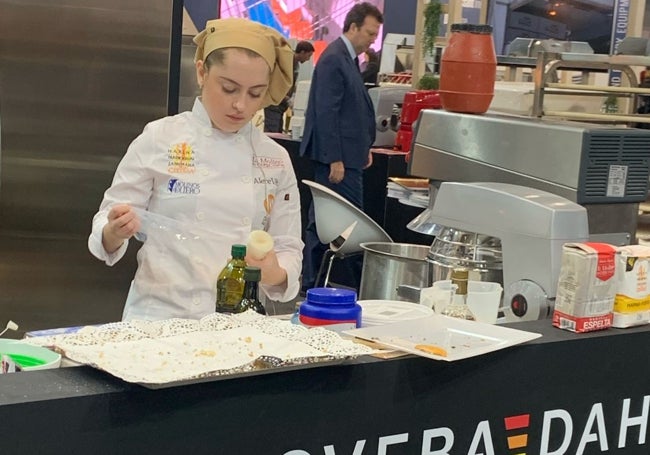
(545,68)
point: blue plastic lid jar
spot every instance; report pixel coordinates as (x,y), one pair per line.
(330,307)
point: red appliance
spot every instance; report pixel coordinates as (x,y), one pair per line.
(413,103)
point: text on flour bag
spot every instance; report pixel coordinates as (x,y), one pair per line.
(468,69)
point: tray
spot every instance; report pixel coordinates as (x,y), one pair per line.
(459,338)
(158,354)
(251,370)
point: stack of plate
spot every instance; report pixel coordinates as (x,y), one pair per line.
(380,312)
(409,191)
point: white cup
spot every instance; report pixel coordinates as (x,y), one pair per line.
(483,298)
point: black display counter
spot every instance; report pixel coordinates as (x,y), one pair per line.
(561,394)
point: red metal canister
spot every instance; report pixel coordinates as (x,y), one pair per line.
(468,69)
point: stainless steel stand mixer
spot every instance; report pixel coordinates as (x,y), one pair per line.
(531,225)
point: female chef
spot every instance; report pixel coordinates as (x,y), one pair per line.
(208,169)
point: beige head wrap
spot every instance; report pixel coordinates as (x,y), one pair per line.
(269,44)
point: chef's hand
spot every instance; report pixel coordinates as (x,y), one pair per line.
(123,223)
(272,273)
(337,171)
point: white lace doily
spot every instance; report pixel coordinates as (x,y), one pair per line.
(160,352)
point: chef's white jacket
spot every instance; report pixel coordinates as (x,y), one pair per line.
(218,187)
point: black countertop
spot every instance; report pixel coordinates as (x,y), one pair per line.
(561,378)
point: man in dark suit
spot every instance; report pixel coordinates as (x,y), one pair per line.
(339,122)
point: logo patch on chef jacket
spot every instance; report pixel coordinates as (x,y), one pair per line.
(180,159)
(268,162)
(176,186)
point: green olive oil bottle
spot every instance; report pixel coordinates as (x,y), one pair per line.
(230,284)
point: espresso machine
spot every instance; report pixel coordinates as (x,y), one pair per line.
(529,226)
(603,168)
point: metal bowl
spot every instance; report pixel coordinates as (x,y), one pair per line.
(388,266)
(479,253)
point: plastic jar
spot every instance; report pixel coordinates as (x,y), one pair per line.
(468,69)
(336,308)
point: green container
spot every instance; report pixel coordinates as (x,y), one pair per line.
(29,357)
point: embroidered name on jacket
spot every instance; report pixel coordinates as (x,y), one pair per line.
(266,181)
(180,159)
(177,186)
(268,162)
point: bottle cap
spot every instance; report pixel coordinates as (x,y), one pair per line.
(252,273)
(459,277)
(481,29)
(238,251)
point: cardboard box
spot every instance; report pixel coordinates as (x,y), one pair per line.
(632,302)
(586,287)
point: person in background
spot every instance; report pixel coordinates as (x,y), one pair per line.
(371,68)
(273,115)
(240,179)
(339,122)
